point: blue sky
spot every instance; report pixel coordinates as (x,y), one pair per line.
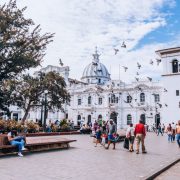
(145,26)
(166,33)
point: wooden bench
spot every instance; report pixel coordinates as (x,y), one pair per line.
(34,144)
(47,143)
(50,133)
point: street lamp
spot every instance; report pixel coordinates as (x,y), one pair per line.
(45,109)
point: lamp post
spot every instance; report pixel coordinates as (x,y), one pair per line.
(42,104)
(45,109)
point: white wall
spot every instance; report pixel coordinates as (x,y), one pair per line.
(172,112)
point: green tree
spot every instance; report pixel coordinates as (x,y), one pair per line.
(22,45)
(27,92)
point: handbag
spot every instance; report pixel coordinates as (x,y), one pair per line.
(126,143)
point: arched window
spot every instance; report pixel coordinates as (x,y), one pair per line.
(100,101)
(129,119)
(89,100)
(156,98)
(175,66)
(113,98)
(142,97)
(129,99)
(79,101)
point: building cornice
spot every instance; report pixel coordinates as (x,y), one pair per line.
(168,51)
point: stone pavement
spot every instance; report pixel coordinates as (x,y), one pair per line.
(171,174)
(85,162)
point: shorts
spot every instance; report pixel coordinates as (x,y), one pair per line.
(131,140)
(110,137)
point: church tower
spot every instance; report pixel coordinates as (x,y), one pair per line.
(171,83)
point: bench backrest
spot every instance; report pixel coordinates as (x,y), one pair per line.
(4,140)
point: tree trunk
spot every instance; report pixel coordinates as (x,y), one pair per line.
(47,113)
(26,113)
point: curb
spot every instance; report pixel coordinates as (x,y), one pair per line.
(163,169)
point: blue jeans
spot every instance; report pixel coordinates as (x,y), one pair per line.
(19,144)
(159,131)
(48,129)
(178,139)
(170,137)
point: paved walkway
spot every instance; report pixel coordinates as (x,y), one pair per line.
(85,162)
(171,174)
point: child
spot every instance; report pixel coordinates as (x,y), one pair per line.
(104,137)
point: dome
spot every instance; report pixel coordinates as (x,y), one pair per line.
(95,72)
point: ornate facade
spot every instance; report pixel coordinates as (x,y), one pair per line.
(97,97)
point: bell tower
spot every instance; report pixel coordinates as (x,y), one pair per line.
(170,59)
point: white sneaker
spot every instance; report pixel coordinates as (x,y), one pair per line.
(23,149)
(20,154)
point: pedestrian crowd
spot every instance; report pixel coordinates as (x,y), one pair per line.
(172,131)
(138,133)
(105,132)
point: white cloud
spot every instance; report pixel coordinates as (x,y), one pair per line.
(81,25)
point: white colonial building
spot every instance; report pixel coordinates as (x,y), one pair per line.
(97,97)
(171,83)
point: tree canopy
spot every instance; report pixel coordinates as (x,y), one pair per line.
(28,92)
(22,45)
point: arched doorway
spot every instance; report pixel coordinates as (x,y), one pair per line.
(113,116)
(89,120)
(157,120)
(100,117)
(143,118)
(79,120)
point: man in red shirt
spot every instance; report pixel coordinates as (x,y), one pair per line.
(140,134)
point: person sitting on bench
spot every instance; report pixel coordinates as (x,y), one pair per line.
(18,141)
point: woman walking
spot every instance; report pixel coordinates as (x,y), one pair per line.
(169,133)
